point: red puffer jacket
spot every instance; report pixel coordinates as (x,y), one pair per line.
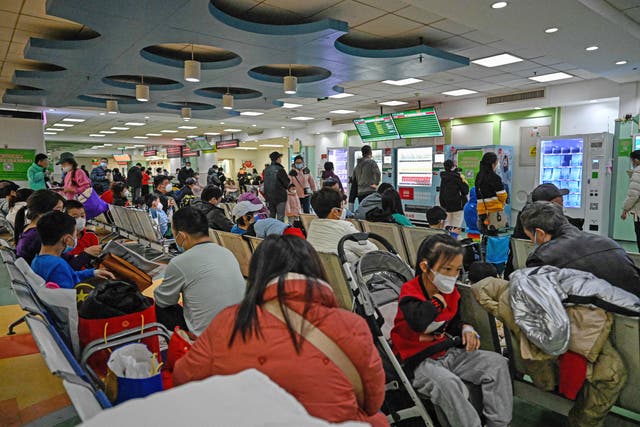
(310,376)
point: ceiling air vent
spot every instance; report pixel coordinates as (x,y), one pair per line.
(513,97)
(341,122)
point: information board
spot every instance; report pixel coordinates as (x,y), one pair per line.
(376,128)
(15,163)
(415,167)
(198,143)
(227,143)
(150,153)
(469,162)
(188,152)
(421,123)
(174,152)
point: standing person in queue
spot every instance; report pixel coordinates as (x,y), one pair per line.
(75,181)
(287,287)
(99,178)
(632,201)
(491,195)
(366,176)
(276,184)
(453,194)
(37,172)
(146,178)
(135,180)
(304,183)
(329,173)
(185,173)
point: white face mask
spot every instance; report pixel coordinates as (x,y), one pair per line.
(444,284)
(169,187)
(66,168)
(159,206)
(80,224)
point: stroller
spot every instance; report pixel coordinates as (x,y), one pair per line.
(375,281)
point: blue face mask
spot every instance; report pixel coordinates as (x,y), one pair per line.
(180,248)
(68,249)
(103,164)
(299,165)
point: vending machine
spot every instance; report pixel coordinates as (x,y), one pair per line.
(414,179)
(340,159)
(583,165)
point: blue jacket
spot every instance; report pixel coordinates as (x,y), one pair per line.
(471,212)
(99,179)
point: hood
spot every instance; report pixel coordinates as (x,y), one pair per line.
(373,199)
(268,226)
(204,207)
(472,195)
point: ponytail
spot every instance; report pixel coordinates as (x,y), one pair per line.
(19,224)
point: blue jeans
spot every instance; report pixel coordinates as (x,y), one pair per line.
(305,202)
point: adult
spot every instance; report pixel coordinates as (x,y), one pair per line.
(75,182)
(305,184)
(372,201)
(437,217)
(326,231)
(631,203)
(26,235)
(329,173)
(244,214)
(99,178)
(366,176)
(453,193)
(391,203)
(120,194)
(36,173)
(276,184)
(287,286)
(212,176)
(207,276)
(490,191)
(83,168)
(135,178)
(146,180)
(163,188)
(16,203)
(8,190)
(211,197)
(562,245)
(186,195)
(185,172)
(117,175)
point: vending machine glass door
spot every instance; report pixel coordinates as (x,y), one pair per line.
(561,164)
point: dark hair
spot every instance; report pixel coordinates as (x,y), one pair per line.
(328,166)
(298,157)
(159,180)
(391,202)
(384,187)
(40,157)
(209,192)
(435,215)
(488,160)
(366,150)
(22,194)
(138,164)
(158,170)
(547,216)
(138,201)
(324,200)
(635,155)
(191,221)
(481,270)
(40,202)
(274,259)
(441,247)
(118,188)
(6,187)
(448,165)
(53,225)
(149,198)
(72,204)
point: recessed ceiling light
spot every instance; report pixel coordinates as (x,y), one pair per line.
(272,145)
(140,137)
(591,48)
(233,130)
(109,132)
(537,108)
(393,103)
(499,5)
(153,134)
(119,128)
(342,111)
(497,60)
(178,139)
(212,133)
(49,133)
(251,113)
(593,101)
(147,117)
(621,62)
(459,92)
(283,127)
(55,129)
(290,105)
(63,125)
(403,82)
(550,77)
(135,124)
(551,30)
(187,127)
(168,131)
(341,95)
(97,135)
(253,126)
(103,113)
(68,119)
(302,118)
(221,123)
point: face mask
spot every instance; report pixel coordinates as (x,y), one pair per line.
(179,247)
(80,224)
(68,249)
(103,164)
(168,187)
(535,240)
(299,165)
(445,284)
(188,168)
(127,193)
(159,206)
(66,168)
(343,214)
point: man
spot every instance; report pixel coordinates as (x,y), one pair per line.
(99,179)
(163,188)
(326,231)
(453,194)
(212,176)
(437,217)
(244,214)
(186,195)
(36,173)
(210,199)
(562,245)
(304,182)
(366,176)
(134,180)
(276,184)
(207,276)
(372,201)
(184,173)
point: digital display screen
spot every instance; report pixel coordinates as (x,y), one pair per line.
(198,143)
(376,128)
(415,167)
(174,152)
(421,123)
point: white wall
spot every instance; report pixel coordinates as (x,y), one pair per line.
(589,118)
(477,134)
(22,134)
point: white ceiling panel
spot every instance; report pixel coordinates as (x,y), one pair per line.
(451,27)
(352,12)
(388,25)
(418,14)
(386,5)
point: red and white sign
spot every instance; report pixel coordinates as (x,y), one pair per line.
(406,193)
(416,180)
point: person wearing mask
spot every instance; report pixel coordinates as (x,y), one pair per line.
(428,317)
(328,173)
(185,196)
(36,173)
(276,184)
(120,194)
(490,192)
(244,214)
(117,175)
(366,176)
(135,180)
(27,238)
(286,283)
(157,212)
(326,231)
(211,197)
(206,276)
(560,244)
(372,201)
(212,176)
(304,183)
(16,203)
(88,246)
(99,178)
(293,209)
(185,173)
(453,193)
(144,181)
(164,190)
(59,236)
(631,203)
(75,182)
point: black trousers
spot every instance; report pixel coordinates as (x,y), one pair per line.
(171,317)
(636,225)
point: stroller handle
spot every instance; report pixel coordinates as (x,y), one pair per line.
(361,238)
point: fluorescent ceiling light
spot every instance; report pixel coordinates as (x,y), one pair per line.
(272,145)
(621,62)
(497,60)
(459,92)
(63,125)
(55,130)
(119,128)
(283,127)
(403,82)
(135,124)
(97,135)
(537,108)
(233,130)
(68,119)
(246,148)
(187,127)
(212,133)
(153,134)
(108,132)
(50,133)
(341,95)
(168,131)
(499,5)
(253,126)
(342,111)
(140,137)
(139,146)
(591,48)
(251,113)
(393,103)
(178,139)
(221,123)
(551,30)
(191,136)
(290,105)
(108,145)
(303,118)
(550,77)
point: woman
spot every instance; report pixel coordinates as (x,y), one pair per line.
(328,173)
(453,194)
(16,203)
(490,192)
(75,182)
(426,333)
(120,194)
(632,201)
(146,177)
(27,238)
(286,274)
(305,185)
(391,203)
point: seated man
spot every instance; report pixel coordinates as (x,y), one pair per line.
(206,275)
(88,246)
(244,214)
(372,201)
(58,233)
(326,231)
(562,245)
(210,199)
(163,188)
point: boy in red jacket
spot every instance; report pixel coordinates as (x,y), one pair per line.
(88,246)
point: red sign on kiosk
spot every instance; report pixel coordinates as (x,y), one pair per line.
(406,193)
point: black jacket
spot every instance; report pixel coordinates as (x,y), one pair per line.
(453,191)
(598,255)
(215,215)
(276,183)
(134,177)
(184,174)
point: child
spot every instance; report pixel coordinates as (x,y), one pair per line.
(293,208)
(88,246)
(157,213)
(57,232)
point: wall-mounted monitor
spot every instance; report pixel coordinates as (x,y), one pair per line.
(376,128)
(421,123)
(198,143)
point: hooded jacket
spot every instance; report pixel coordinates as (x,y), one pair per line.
(453,191)
(216,217)
(370,202)
(99,179)
(276,184)
(471,211)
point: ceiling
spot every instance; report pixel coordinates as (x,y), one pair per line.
(358,42)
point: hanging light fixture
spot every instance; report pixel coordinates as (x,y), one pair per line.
(191,69)
(290,83)
(186,114)
(227,101)
(112,106)
(142,91)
